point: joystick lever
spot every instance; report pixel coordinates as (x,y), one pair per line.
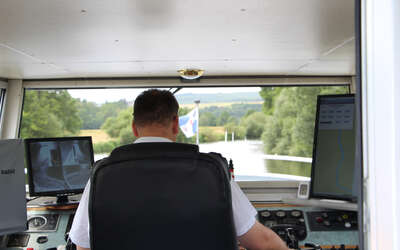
(291,240)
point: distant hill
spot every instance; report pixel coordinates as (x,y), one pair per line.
(237,110)
(219,97)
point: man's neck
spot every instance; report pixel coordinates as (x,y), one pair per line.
(156,136)
(157,133)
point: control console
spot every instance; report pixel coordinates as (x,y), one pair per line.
(312,228)
(285,223)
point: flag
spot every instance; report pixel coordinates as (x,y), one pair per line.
(189,123)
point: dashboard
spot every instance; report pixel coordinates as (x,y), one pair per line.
(327,228)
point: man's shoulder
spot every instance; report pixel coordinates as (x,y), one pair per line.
(101,161)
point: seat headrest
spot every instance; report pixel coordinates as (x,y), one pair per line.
(152,149)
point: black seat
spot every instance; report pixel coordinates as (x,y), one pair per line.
(161,196)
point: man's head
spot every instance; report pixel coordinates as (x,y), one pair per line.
(155,113)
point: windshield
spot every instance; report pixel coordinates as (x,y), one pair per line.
(267,132)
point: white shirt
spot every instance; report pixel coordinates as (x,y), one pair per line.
(243,212)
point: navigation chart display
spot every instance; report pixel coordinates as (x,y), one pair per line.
(333,171)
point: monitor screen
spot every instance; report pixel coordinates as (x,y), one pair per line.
(12,187)
(333,173)
(58,166)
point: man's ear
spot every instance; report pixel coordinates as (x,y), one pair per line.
(175,125)
(134,129)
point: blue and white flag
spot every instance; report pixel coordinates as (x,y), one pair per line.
(189,123)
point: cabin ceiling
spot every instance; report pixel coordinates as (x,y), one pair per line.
(140,38)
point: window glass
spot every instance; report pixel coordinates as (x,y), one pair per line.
(267,132)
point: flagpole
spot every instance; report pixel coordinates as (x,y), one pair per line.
(198,121)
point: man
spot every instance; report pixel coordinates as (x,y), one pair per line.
(156,120)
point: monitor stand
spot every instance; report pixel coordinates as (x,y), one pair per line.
(55,201)
(61,201)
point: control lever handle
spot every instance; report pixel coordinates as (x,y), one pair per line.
(292,241)
(313,246)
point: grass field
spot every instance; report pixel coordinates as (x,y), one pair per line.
(217,130)
(97,135)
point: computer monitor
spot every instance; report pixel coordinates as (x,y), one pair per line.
(13,215)
(58,166)
(333,172)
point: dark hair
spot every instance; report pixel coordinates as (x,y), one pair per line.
(155,106)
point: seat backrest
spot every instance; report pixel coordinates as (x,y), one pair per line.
(161,196)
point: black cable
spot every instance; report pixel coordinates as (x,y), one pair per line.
(177,90)
(29,200)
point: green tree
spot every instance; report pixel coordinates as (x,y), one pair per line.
(65,108)
(49,114)
(207,119)
(254,124)
(105,147)
(269,94)
(111,109)
(249,112)
(126,136)
(114,125)
(223,118)
(93,115)
(119,128)
(289,129)
(89,113)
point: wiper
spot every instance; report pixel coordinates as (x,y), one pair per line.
(177,89)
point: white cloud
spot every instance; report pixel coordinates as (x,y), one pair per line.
(212,90)
(105,95)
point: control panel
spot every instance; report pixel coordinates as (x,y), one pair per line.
(46,230)
(332,221)
(284,221)
(43,222)
(311,227)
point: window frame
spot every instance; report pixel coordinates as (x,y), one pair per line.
(3,90)
(2,97)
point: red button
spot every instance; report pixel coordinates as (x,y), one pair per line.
(319,219)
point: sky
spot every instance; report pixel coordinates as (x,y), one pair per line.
(100,96)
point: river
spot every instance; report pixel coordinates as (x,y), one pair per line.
(250,162)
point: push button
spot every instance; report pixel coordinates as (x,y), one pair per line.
(327,223)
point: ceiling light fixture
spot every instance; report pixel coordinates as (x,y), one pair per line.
(191,74)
